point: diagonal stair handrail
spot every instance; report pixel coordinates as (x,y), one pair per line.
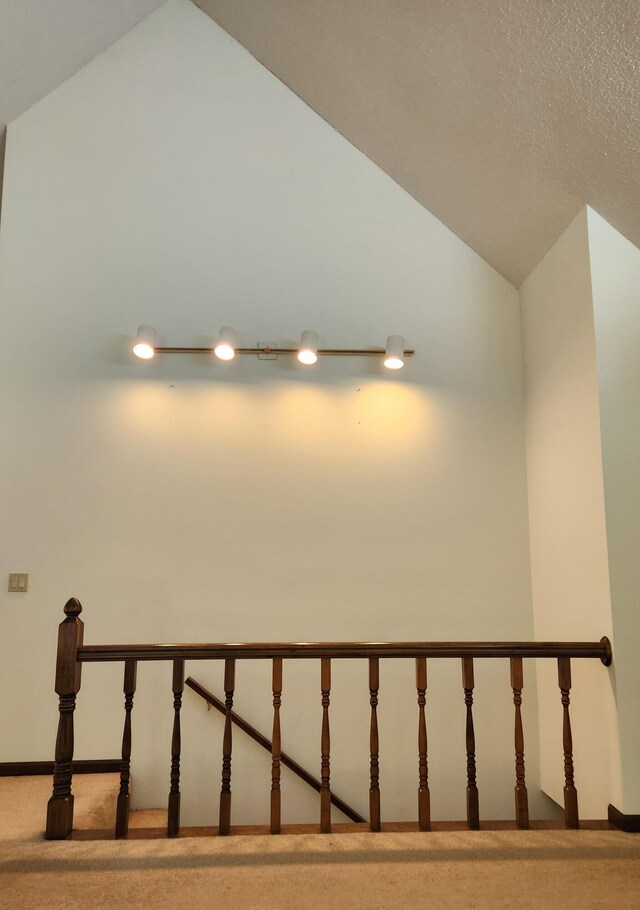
(263,741)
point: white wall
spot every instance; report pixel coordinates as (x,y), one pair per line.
(569,566)
(615,270)
(175,181)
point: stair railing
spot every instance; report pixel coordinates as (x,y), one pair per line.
(274,748)
(73,653)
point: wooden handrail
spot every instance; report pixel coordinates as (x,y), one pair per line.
(263,741)
(72,653)
(345,649)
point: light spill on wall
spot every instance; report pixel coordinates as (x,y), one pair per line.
(177,183)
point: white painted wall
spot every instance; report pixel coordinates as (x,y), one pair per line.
(174,181)
(569,563)
(615,271)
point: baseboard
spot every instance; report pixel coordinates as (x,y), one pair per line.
(88,766)
(624,822)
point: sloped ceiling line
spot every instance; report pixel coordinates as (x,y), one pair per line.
(501,118)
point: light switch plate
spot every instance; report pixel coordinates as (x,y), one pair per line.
(18,582)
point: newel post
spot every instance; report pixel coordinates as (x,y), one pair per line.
(60,806)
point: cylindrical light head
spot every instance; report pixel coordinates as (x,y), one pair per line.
(394,356)
(308,350)
(225,346)
(145,343)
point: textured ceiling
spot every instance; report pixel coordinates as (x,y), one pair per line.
(503,117)
(43,42)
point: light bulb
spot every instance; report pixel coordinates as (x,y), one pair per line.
(225,346)
(394,356)
(308,350)
(224,352)
(143,351)
(145,343)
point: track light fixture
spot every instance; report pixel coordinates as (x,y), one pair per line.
(145,343)
(226,348)
(394,355)
(308,351)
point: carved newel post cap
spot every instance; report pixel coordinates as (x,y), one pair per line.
(72,608)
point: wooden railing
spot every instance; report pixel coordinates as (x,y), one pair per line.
(273,747)
(72,653)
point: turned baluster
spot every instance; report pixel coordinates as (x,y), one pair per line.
(67,686)
(173,813)
(325,791)
(122,806)
(374,745)
(276,746)
(570,793)
(424,797)
(521,796)
(225,792)
(473,814)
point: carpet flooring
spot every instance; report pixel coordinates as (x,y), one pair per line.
(566,870)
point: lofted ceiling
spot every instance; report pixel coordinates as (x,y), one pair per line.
(43,42)
(502,117)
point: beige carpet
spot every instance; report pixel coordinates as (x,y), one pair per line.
(500,869)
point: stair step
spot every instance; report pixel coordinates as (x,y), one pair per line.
(94,803)
(148,818)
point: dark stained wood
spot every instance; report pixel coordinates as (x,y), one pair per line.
(276,747)
(67,685)
(173,811)
(338,828)
(521,796)
(122,806)
(374,746)
(72,653)
(44,768)
(618,819)
(262,740)
(325,788)
(570,793)
(473,814)
(225,792)
(424,797)
(346,649)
